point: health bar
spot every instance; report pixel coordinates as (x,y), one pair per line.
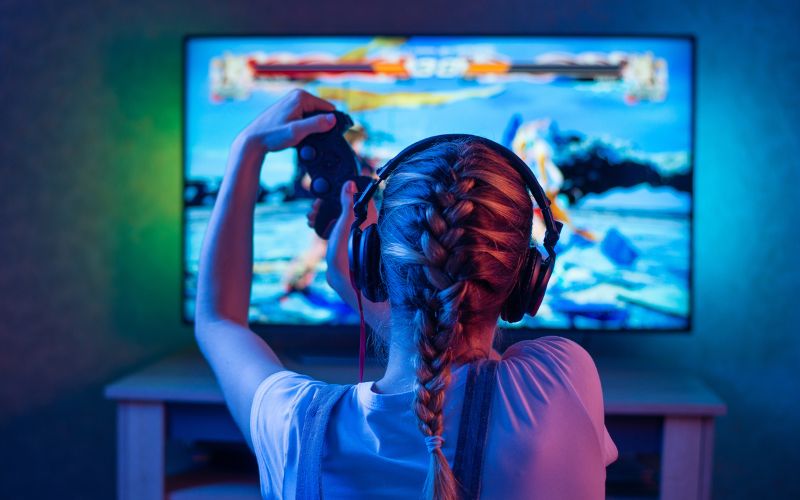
(398,69)
(312,70)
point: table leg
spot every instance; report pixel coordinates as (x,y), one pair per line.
(686,458)
(140,450)
(708,458)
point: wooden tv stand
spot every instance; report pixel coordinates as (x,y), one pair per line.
(178,398)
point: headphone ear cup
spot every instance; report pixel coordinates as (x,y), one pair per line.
(353,246)
(369,253)
(540,286)
(517,302)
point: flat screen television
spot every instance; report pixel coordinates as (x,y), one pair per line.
(605,123)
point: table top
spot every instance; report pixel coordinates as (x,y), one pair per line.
(628,390)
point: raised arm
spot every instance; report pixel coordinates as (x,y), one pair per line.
(239,358)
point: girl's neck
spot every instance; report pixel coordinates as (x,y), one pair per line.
(401,374)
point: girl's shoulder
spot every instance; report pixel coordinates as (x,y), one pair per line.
(550,349)
(552,364)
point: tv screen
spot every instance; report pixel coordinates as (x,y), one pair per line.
(605,123)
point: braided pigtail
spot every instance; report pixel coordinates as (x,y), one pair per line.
(435,223)
(438,324)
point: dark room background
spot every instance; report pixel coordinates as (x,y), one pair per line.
(90,189)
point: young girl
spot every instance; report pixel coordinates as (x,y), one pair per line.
(454,226)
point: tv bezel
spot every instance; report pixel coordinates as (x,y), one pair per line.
(325,338)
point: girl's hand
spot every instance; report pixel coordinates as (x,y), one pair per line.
(282,125)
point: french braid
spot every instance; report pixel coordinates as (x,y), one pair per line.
(453,227)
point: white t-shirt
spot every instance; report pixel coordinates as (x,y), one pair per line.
(546,438)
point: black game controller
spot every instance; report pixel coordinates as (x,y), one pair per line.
(330,162)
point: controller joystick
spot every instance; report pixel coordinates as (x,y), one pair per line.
(330,162)
(307,153)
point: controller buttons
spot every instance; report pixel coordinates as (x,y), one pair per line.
(308,153)
(320,186)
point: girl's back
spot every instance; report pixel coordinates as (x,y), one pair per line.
(546,434)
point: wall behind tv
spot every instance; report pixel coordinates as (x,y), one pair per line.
(90,190)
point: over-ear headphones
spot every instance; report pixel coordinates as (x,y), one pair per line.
(364,245)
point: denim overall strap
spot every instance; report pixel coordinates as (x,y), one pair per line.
(312,441)
(473,427)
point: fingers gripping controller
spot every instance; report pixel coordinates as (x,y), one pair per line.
(330,162)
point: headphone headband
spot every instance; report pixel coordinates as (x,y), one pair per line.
(552,226)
